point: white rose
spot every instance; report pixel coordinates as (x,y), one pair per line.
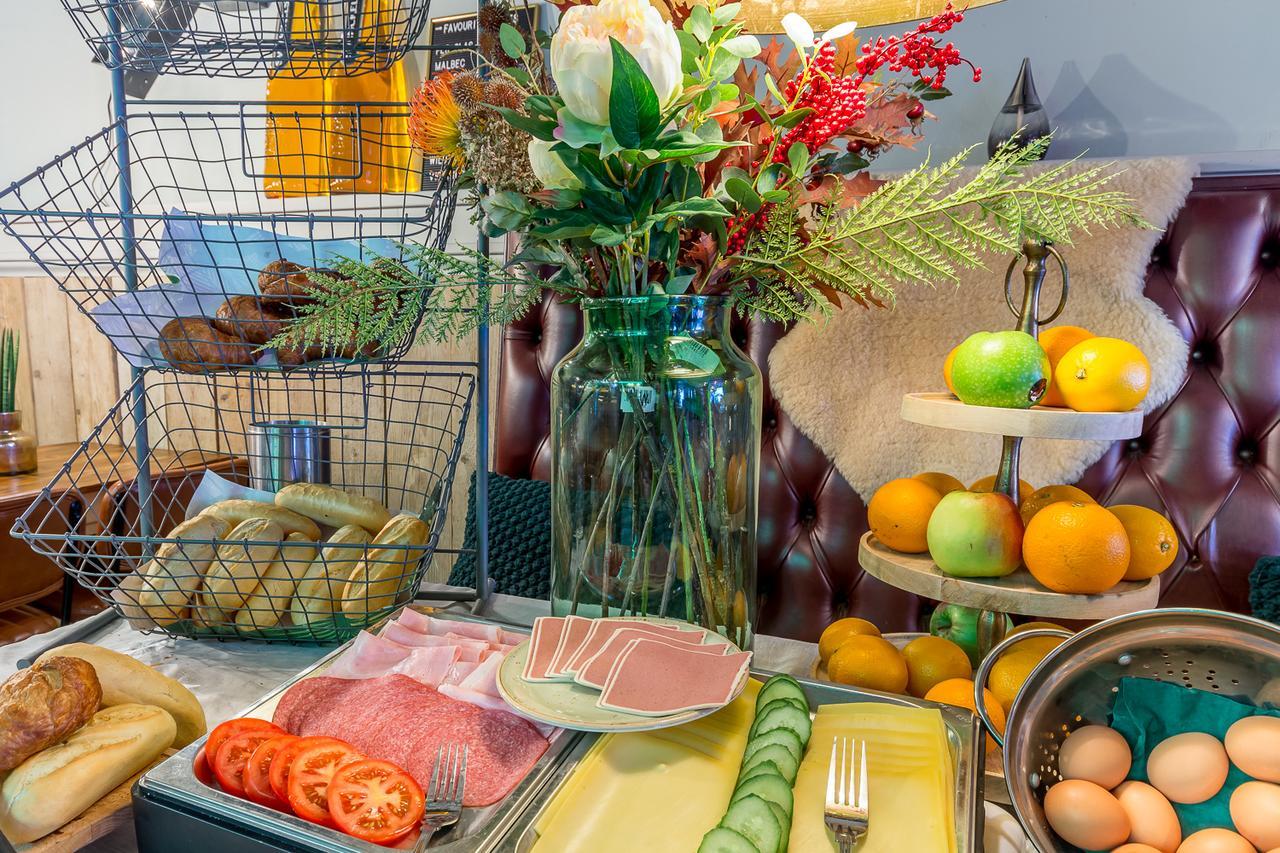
(582,61)
(549,168)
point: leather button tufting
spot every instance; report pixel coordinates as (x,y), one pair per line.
(1269,256)
(1160,254)
(1135,445)
(1247,451)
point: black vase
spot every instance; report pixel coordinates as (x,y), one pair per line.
(1022,111)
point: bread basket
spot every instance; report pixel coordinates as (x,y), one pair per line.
(1073,686)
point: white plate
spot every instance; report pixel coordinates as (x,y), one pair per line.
(569,705)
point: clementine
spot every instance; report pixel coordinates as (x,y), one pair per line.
(986,484)
(898,514)
(1041,498)
(872,663)
(946,368)
(944,483)
(959,692)
(1153,544)
(1055,341)
(1076,547)
(834,635)
(932,660)
(1103,375)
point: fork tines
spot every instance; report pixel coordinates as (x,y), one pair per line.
(846,813)
(449,777)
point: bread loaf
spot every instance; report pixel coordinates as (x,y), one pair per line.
(127,680)
(333,507)
(317,595)
(270,602)
(380,578)
(56,785)
(236,510)
(127,595)
(44,703)
(178,568)
(238,566)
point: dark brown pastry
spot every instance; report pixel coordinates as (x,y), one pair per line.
(250,319)
(41,705)
(193,345)
(282,278)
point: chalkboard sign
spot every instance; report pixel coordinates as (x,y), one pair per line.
(460,30)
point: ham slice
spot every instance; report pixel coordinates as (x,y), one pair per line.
(602,629)
(595,672)
(471,630)
(428,664)
(414,621)
(574,634)
(655,679)
(459,671)
(547,631)
(368,657)
(408,637)
(484,678)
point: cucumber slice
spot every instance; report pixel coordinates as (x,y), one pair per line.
(779,755)
(786,737)
(783,715)
(779,686)
(768,787)
(752,818)
(762,768)
(722,840)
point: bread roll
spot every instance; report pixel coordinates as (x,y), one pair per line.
(236,510)
(127,680)
(44,703)
(56,785)
(333,507)
(193,345)
(127,595)
(326,578)
(269,604)
(250,319)
(238,567)
(178,568)
(381,576)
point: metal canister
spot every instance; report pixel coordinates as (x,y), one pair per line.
(288,451)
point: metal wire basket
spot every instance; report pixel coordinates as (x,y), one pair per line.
(392,435)
(207,201)
(250,38)
(1076,683)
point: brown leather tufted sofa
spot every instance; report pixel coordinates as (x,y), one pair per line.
(1210,458)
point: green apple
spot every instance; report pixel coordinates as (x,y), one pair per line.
(1005,369)
(975,535)
(975,631)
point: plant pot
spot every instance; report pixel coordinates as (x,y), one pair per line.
(17,448)
(655,438)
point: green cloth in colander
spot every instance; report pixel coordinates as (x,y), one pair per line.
(1147,711)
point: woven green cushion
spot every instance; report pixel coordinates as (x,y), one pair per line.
(519,538)
(1264,589)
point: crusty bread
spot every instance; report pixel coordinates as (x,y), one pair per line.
(270,602)
(56,785)
(236,570)
(326,578)
(379,579)
(236,510)
(178,568)
(128,593)
(333,507)
(127,680)
(44,703)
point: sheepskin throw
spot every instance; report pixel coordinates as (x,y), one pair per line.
(842,381)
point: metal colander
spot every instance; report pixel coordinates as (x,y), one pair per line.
(1075,684)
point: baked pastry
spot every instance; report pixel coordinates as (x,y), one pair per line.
(379,579)
(193,345)
(44,703)
(251,319)
(326,577)
(284,279)
(235,510)
(234,574)
(333,507)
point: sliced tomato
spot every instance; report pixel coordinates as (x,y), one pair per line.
(223,731)
(309,777)
(279,772)
(257,778)
(375,801)
(233,756)
(200,767)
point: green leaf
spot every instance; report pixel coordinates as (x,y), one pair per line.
(768,177)
(743,193)
(726,13)
(633,104)
(699,23)
(792,118)
(519,75)
(507,210)
(538,128)
(577,133)
(798,158)
(693,207)
(934,94)
(723,64)
(513,43)
(775,196)
(604,236)
(773,89)
(727,92)
(691,51)
(743,47)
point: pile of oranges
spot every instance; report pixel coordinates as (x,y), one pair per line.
(1070,544)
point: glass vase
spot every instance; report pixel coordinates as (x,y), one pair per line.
(17,448)
(655,431)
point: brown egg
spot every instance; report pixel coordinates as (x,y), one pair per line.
(1097,754)
(1254,746)
(1152,820)
(1132,847)
(1086,815)
(1255,810)
(1188,768)
(1215,841)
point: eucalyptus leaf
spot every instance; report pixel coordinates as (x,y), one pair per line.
(743,193)
(633,104)
(513,43)
(798,158)
(690,51)
(699,23)
(723,65)
(744,47)
(726,13)
(798,30)
(934,94)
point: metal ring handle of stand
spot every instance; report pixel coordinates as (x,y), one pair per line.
(988,662)
(1062,300)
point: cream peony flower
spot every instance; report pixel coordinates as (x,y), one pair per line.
(549,169)
(582,62)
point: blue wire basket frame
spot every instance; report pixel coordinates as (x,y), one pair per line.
(215,210)
(390,434)
(250,38)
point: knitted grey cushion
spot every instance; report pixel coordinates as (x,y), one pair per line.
(519,537)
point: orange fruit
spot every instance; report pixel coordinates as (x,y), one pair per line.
(1153,544)
(1076,547)
(959,692)
(898,514)
(944,483)
(834,635)
(1055,341)
(1103,375)
(872,663)
(932,660)
(986,484)
(946,368)
(1031,626)
(1041,498)
(1011,672)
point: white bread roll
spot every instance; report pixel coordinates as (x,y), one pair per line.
(128,594)
(236,570)
(57,784)
(326,578)
(178,568)
(237,510)
(269,604)
(380,578)
(126,680)
(333,507)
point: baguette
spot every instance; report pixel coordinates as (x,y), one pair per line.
(379,579)
(234,574)
(127,680)
(237,510)
(178,568)
(269,604)
(325,579)
(127,595)
(44,703)
(56,785)
(333,507)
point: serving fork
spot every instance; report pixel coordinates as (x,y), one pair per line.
(444,792)
(847,808)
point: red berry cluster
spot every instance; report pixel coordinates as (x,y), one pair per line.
(918,51)
(837,102)
(743,226)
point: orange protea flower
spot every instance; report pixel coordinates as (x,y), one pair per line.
(433,119)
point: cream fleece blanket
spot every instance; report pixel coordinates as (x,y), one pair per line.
(842,381)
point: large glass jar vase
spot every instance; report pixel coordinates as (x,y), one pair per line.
(655,433)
